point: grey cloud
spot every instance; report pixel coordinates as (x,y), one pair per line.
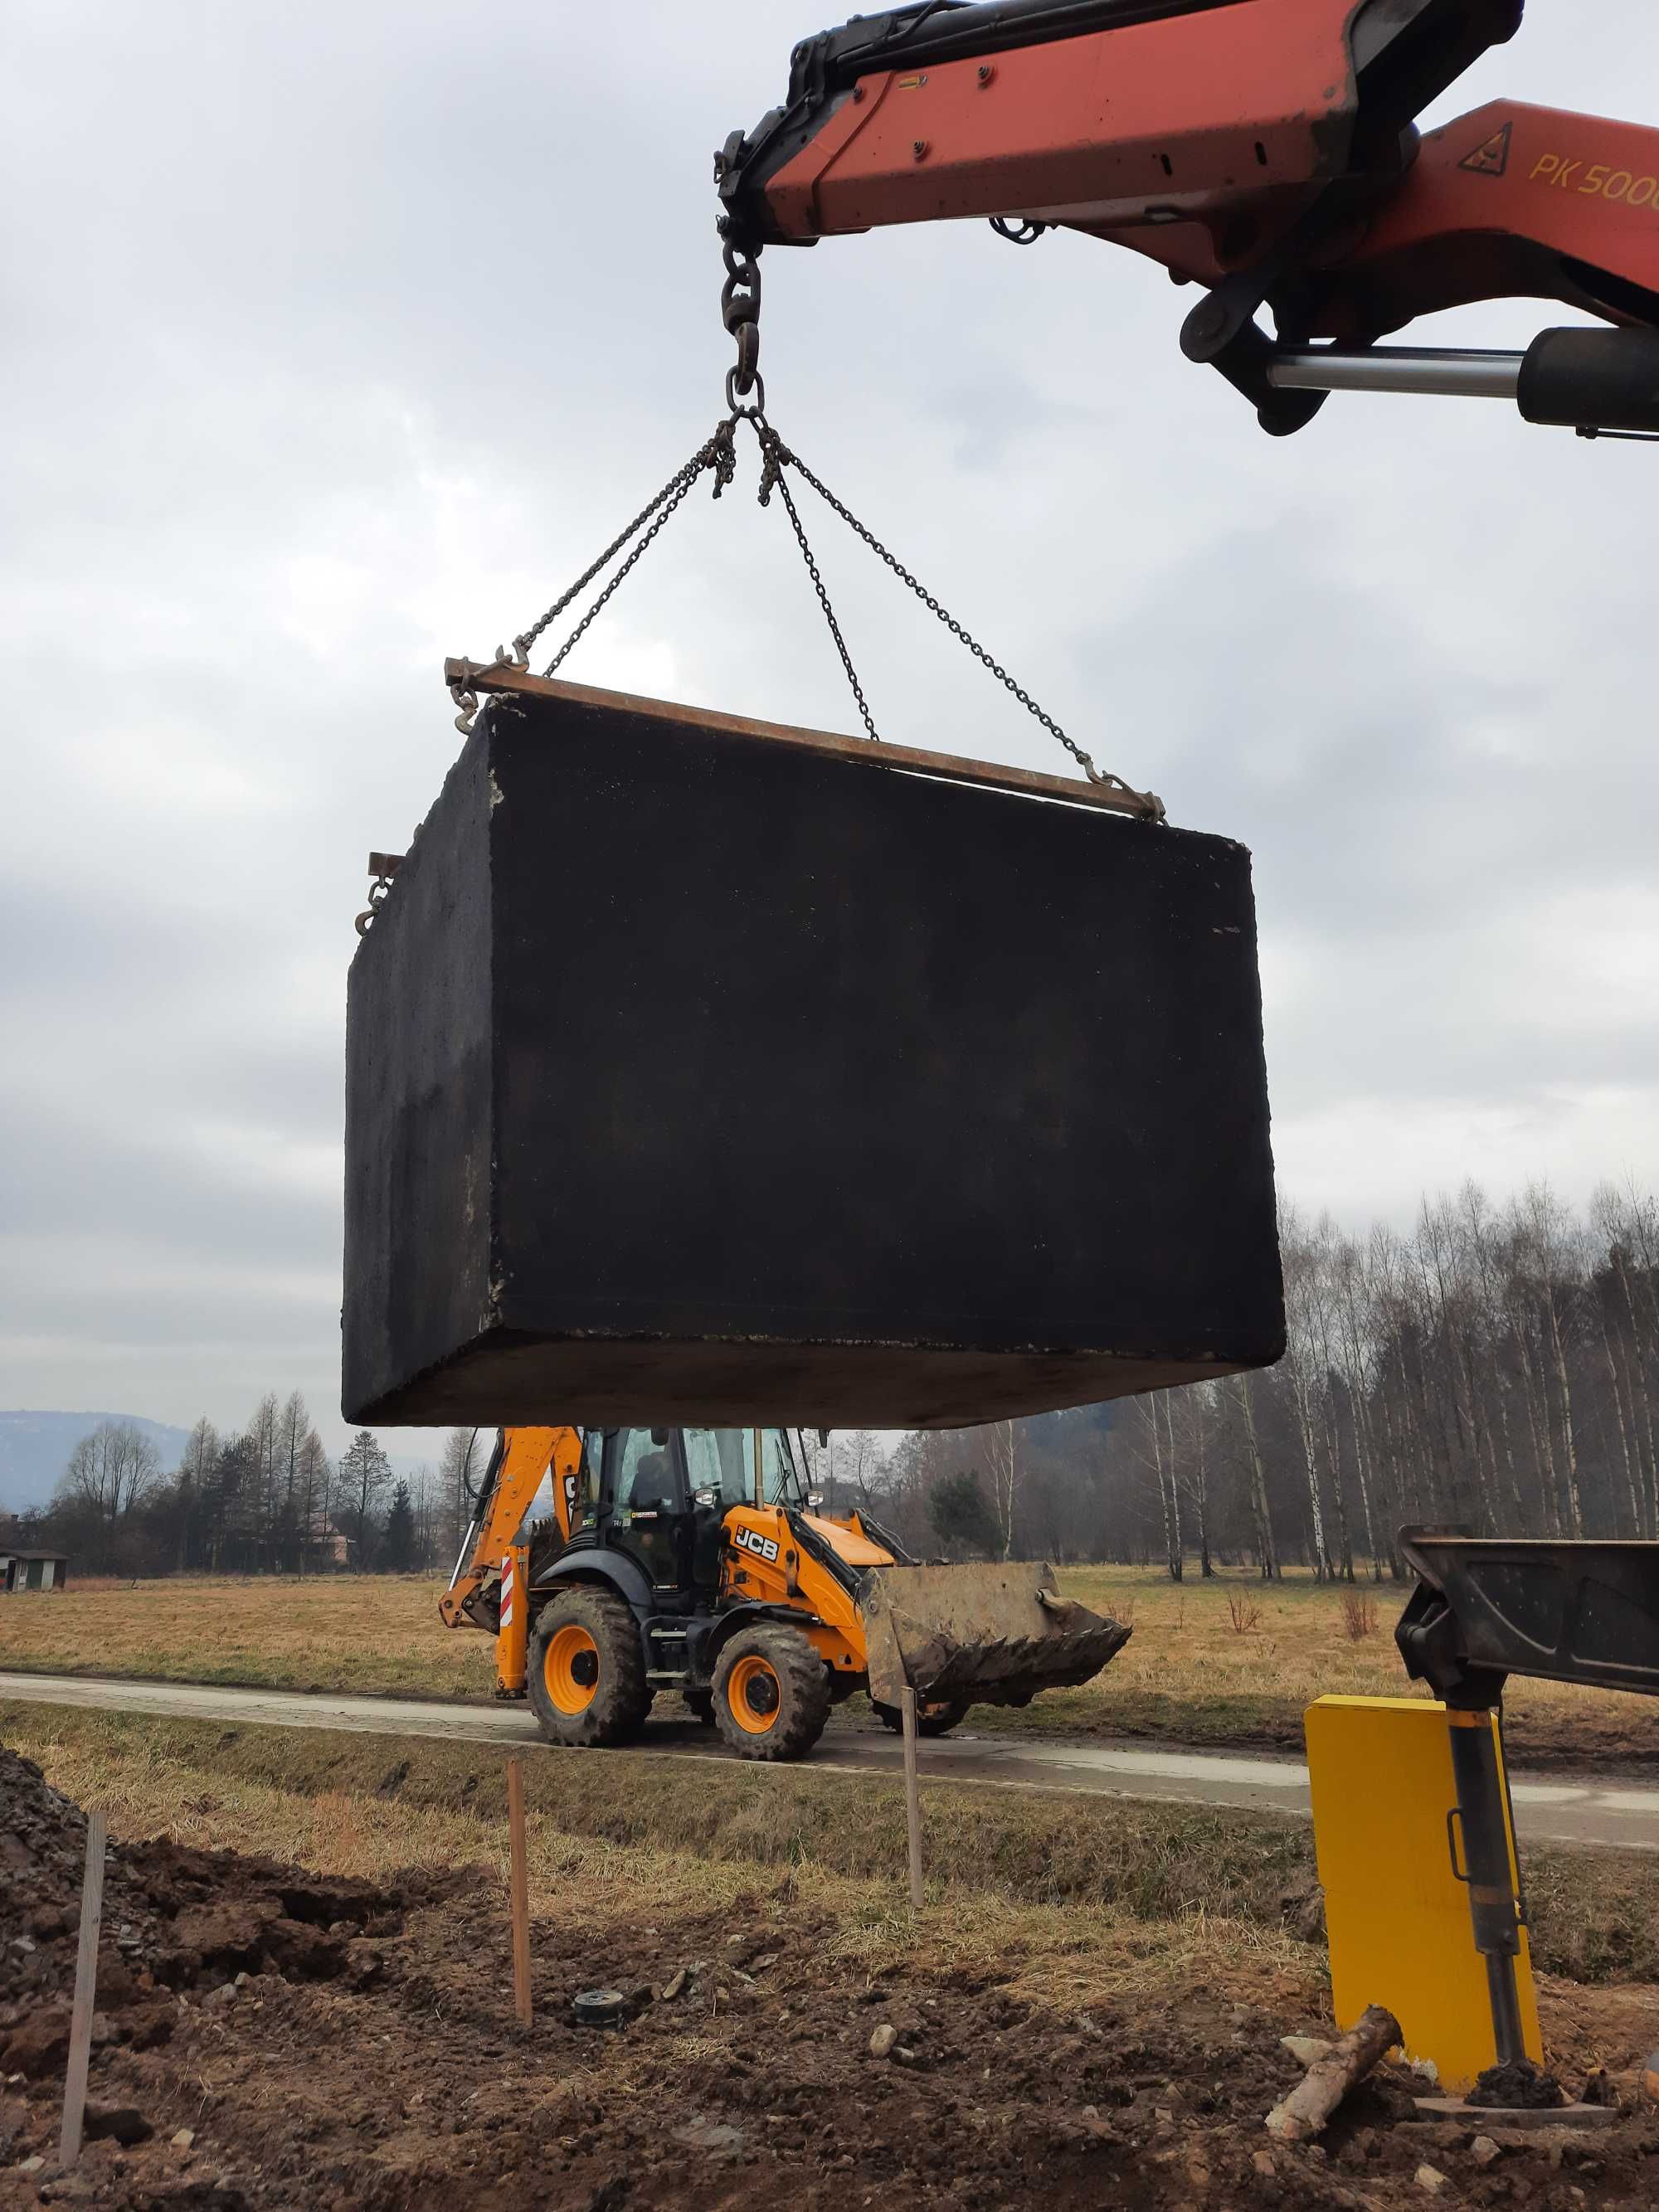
(344,338)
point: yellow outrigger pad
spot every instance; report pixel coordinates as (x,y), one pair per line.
(1395,1912)
(988,1635)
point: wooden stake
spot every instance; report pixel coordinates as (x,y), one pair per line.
(912,1795)
(520,1887)
(86,1992)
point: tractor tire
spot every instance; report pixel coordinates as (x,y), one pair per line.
(771,1693)
(586,1677)
(930,1720)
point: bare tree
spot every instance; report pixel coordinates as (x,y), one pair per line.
(262,1502)
(1157,1442)
(460,1471)
(196,1467)
(313,1483)
(1190,1415)
(1302,1298)
(999,1448)
(111,1471)
(864,1460)
(291,1427)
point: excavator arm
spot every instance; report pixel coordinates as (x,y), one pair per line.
(1265,149)
(521,1459)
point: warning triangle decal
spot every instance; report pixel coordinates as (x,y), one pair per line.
(1492,159)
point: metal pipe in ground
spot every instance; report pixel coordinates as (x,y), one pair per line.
(86,1993)
(912,1793)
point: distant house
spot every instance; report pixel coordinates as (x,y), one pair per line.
(327,1543)
(33,1571)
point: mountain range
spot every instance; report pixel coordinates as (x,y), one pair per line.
(34,1450)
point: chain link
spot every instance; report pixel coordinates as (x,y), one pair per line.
(714,454)
(622,575)
(718,453)
(1104,776)
(776,455)
(740,305)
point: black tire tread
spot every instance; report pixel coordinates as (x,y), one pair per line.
(621,1701)
(941,1722)
(803,1686)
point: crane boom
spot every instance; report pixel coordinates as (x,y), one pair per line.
(1265,149)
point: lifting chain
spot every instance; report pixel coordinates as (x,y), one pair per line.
(775,457)
(779,458)
(716,452)
(745,400)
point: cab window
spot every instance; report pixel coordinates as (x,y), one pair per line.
(645,1473)
(724,1460)
(582,1495)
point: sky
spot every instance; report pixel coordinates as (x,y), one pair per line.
(341,339)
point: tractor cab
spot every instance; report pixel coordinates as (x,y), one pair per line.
(659,1497)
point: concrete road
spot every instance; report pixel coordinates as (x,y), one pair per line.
(1567,1810)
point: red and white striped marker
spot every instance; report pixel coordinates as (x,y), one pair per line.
(509,1591)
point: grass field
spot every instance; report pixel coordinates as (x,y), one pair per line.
(1222,1662)
(1057,1876)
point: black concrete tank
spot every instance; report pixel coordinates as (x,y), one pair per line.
(702,1072)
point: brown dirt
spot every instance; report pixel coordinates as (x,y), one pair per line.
(368,2059)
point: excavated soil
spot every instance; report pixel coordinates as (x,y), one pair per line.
(266,2036)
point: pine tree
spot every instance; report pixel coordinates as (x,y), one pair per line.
(365,1471)
(962,1514)
(397,1543)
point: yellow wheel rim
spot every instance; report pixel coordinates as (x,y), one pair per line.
(571,1669)
(753,1696)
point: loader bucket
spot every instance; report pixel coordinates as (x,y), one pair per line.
(988,1635)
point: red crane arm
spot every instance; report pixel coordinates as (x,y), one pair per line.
(1263,149)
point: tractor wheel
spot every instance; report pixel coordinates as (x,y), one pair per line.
(586,1670)
(930,1720)
(771,1693)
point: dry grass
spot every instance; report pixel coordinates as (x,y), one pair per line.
(1358,1615)
(606,1832)
(1162,1889)
(1244,1613)
(1189,1673)
(371,1633)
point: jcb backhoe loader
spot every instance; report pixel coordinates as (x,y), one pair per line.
(694,1560)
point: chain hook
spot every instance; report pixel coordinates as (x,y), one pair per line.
(724,451)
(740,305)
(382,866)
(775,457)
